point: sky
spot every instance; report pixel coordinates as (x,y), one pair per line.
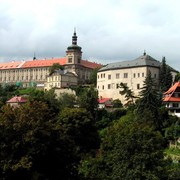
(108,30)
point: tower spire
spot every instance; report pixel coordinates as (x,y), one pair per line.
(74,38)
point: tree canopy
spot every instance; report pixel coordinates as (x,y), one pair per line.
(165,76)
(129,151)
(54,67)
(32,146)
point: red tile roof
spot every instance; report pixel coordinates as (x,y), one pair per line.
(44,63)
(10,65)
(173,88)
(17,99)
(103,100)
(168,95)
(89,64)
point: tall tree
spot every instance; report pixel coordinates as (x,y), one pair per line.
(150,101)
(88,99)
(165,76)
(93,76)
(128,93)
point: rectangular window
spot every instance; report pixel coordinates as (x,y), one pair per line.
(176,95)
(70,60)
(142,74)
(154,75)
(117,76)
(117,86)
(134,75)
(109,86)
(102,86)
(175,105)
(104,75)
(125,75)
(138,86)
(138,74)
(109,76)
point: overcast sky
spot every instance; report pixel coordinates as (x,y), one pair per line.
(108,30)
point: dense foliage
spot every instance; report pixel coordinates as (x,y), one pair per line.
(129,150)
(70,138)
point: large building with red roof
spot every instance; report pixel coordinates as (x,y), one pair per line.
(172,99)
(34,72)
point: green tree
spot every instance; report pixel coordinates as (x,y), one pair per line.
(128,93)
(165,76)
(33,146)
(117,103)
(129,150)
(54,67)
(88,99)
(150,102)
(93,76)
(67,101)
(80,127)
(177,77)
(7,92)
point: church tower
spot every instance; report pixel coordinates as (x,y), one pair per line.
(73,53)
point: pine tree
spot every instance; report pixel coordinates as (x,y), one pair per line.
(128,93)
(150,101)
(165,76)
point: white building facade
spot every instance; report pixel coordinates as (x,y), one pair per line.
(132,73)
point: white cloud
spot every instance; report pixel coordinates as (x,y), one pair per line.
(108,30)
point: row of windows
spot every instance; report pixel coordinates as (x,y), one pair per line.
(54,78)
(23,70)
(22,78)
(124,75)
(175,105)
(112,86)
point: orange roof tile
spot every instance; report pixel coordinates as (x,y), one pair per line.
(168,95)
(89,64)
(173,88)
(44,63)
(10,65)
(171,99)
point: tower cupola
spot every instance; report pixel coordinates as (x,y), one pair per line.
(74,52)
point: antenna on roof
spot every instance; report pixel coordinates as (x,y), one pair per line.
(34,58)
